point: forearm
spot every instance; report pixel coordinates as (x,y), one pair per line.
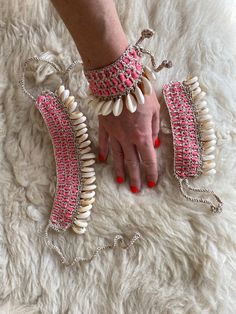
(95,28)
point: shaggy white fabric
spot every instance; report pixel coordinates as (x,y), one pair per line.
(186,261)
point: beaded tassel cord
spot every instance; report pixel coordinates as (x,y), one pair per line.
(75,190)
(194,137)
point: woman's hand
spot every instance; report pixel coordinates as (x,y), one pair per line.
(132,137)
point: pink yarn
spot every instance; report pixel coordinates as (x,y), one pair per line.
(65,151)
(187,156)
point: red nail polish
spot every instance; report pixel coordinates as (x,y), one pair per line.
(119,180)
(151,184)
(157,143)
(134,189)
(101,157)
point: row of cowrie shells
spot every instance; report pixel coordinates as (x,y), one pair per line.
(131,101)
(207,132)
(87,160)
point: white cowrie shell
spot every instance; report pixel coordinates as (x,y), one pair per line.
(99,106)
(191,80)
(76,115)
(139,95)
(107,108)
(78,230)
(209,144)
(131,103)
(86,150)
(201,105)
(70,100)
(147,86)
(64,95)
(150,75)
(60,90)
(200,96)
(87,169)
(79,126)
(88,162)
(208,137)
(72,107)
(209,150)
(196,92)
(90,180)
(88,195)
(81,132)
(208,131)
(210,172)
(83,215)
(87,174)
(78,121)
(80,223)
(89,187)
(88,156)
(194,86)
(208,165)
(118,107)
(207,125)
(208,157)
(82,138)
(203,111)
(85,202)
(83,209)
(206,117)
(85,144)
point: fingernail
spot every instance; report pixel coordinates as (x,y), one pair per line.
(151,184)
(134,189)
(157,143)
(101,157)
(119,180)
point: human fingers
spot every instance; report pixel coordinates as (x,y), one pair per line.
(103,137)
(155,129)
(118,158)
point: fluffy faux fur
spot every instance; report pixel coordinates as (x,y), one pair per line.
(186,259)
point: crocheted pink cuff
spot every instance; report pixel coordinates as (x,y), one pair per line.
(118,78)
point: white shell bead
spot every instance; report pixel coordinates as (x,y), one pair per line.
(88,195)
(208,157)
(88,174)
(196,92)
(85,144)
(87,169)
(107,108)
(85,202)
(81,132)
(86,150)
(131,103)
(83,138)
(83,209)
(118,107)
(147,86)
(69,100)
(205,117)
(60,90)
(203,111)
(194,86)
(200,96)
(99,106)
(208,137)
(210,172)
(76,115)
(207,125)
(90,180)
(208,165)
(202,104)
(209,144)
(83,215)
(72,107)
(89,187)
(88,156)
(80,120)
(209,150)
(208,131)
(78,230)
(79,126)
(88,162)
(64,95)
(139,95)
(191,80)
(81,223)
(150,75)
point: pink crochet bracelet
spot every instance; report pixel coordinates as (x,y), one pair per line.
(75,189)
(125,82)
(193,134)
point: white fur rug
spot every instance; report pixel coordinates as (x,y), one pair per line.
(186,259)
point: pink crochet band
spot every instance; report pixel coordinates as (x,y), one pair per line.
(66,201)
(186,141)
(118,78)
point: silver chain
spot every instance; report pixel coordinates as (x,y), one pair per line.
(98,250)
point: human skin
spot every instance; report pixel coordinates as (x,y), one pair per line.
(96,29)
